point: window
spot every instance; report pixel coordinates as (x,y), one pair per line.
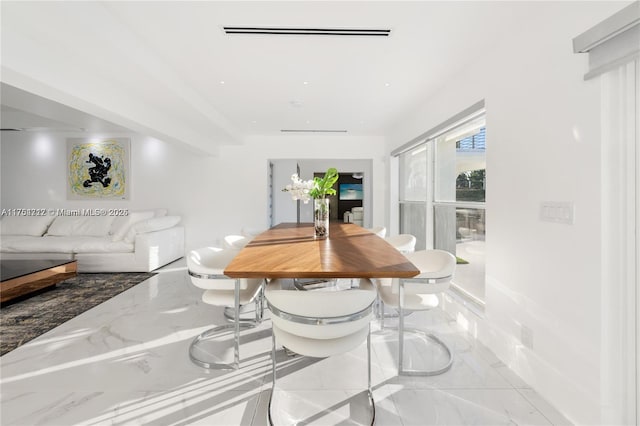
(459,202)
(413,194)
(442,198)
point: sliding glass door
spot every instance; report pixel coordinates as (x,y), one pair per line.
(442,199)
(459,203)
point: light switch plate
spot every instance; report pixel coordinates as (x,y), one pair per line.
(557,211)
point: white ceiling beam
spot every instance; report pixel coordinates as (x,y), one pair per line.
(32,61)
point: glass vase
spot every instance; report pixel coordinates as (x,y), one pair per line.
(321,217)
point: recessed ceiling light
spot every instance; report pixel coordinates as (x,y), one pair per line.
(387,84)
(308,121)
(305,82)
(221,81)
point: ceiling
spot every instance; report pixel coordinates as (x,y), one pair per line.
(26,111)
(169,68)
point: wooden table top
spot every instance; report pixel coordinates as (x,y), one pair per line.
(289,250)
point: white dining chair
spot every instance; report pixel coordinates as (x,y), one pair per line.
(251,232)
(418,294)
(320,323)
(380,231)
(404,243)
(235,242)
(206,270)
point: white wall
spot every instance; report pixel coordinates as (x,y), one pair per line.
(215,196)
(543,144)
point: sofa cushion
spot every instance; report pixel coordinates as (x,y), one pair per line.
(101,245)
(88,226)
(122,224)
(151,225)
(34,226)
(7,242)
(69,244)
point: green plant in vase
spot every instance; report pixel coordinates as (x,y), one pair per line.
(321,188)
(318,189)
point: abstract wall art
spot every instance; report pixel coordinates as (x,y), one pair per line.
(98,169)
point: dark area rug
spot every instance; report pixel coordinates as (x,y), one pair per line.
(24,319)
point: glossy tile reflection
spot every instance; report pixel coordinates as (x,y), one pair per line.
(126,362)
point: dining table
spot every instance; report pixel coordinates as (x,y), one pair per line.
(290,250)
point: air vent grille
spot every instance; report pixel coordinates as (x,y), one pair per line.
(312,131)
(309,31)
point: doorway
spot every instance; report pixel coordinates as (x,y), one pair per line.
(283,209)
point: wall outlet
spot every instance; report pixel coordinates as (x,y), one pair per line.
(526,336)
(559,212)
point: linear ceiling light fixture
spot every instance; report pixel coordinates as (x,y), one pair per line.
(311,131)
(308,31)
(43,129)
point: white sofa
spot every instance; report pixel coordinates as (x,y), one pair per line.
(138,242)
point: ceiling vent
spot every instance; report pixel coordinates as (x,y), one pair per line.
(312,131)
(44,129)
(308,31)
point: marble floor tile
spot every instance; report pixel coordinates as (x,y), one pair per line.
(547,410)
(467,372)
(321,407)
(126,362)
(465,406)
(196,404)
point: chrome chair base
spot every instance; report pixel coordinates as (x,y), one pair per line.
(273,386)
(402,313)
(310,284)
(381,314)
(372,409)
(258,309)
(210,333)
(406,372)
(230,314)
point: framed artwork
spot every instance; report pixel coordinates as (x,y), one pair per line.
(98,169)
(351,191)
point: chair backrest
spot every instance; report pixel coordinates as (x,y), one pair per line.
(235,242)
(358,213)
(405,243)
(437,265)
(320,323)
(206,268)
(380,231)
(251,232)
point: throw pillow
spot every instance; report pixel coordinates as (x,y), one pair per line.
(122,224)
(151,225)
